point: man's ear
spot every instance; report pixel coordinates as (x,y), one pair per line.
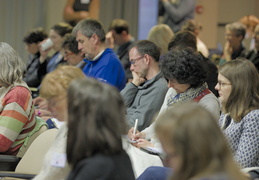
(95,38)
(147,59)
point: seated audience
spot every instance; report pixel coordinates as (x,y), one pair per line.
(72,54)
(74,57)
(184,39)
(102,63)
(32,40)
(195,146)
(56,34)
(94,144)
(17,117)
(195,27)
(253,55)
(238,88)
(54,90)
(161,35)
(119,35)
(144,95)
(234,48)
(186,81)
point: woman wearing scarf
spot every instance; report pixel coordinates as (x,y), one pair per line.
(186,81)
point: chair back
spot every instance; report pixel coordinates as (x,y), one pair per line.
(32,160)
(39,128)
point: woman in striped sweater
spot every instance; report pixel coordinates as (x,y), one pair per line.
(17,118)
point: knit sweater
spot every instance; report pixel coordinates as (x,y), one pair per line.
(17,118)
(107,68)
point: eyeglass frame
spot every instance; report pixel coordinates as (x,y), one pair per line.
(221,84)
(133,61)
(66,54)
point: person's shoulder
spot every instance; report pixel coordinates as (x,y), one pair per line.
(18,93)
(110,55)
(254,114)
(20,89)
(210,100)
(100,159)
(161,84)
(249,53)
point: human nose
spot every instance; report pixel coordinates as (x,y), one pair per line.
(65,58)
(217,87)
(80,47)
(170,84)
(132,67)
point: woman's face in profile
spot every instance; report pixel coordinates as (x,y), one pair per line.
(173,159)
(56,39)
(57,105)
(32,48)
(223,87)
(179,88)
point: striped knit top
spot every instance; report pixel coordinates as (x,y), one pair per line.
(17,117)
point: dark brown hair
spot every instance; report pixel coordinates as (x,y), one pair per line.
(96,120)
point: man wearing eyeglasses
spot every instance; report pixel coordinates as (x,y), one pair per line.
(234,35)
(145,94)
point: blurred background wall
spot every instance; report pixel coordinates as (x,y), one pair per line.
(19,16)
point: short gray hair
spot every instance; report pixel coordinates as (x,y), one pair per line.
(12,67)
(88,27)
(238,28)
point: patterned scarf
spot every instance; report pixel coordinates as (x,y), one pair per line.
(175,2)
(188,95)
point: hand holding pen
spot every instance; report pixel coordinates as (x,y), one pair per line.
(135,135)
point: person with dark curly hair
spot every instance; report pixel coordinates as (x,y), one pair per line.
(186,81)
(186,38)
(32,40)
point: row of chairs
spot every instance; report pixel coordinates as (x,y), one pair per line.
(12,167)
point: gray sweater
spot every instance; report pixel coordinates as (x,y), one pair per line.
(144,101)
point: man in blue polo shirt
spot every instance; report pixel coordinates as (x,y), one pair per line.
(102,63)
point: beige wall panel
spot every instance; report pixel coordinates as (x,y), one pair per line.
(208,19)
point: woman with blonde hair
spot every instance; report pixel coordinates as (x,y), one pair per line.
(195,146)
(161,35)
(238,88)
(54,91)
